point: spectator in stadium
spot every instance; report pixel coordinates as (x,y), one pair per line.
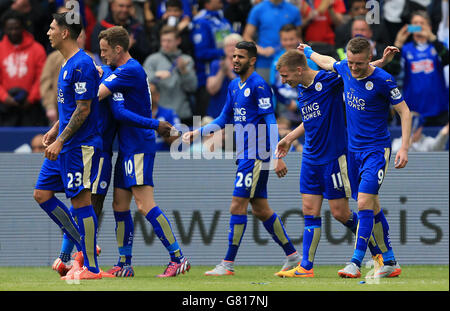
(210,28)
(162,114)
(121,15)
(236,11)
(173,16)
(321,20)
(37,144)
(264,22)
(220,76)
(162,5)
(423,143)
(21,63)
(424,58)
(36,19)
(344,31)
(173,72)
(285,95)
(360,28)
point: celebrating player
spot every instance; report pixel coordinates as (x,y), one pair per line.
(134,167)
(72,152)
(249,105)
(324,159)
(369,91)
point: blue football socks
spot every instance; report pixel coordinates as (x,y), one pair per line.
(124,235)
(276,229)
(238,224)
(164,232)
(59,213)
(363,234)
(381,233)
(87,222)
(311,238)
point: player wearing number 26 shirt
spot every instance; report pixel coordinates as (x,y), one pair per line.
(249,107)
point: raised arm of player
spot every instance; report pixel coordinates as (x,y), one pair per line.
(323,61)
(401,158)
(284,145)
(388,55)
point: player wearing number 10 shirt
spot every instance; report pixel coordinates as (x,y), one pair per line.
(133,174)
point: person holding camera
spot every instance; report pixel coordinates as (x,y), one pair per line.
(424,58)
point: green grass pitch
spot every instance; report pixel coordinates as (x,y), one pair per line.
(247,278)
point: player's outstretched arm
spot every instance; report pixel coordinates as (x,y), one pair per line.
(284,145)
(190,136)
(401,158)
(323,61)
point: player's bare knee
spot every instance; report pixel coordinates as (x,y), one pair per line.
(340,215)
(365,203)
(41,196)
(237,209)
(308,209)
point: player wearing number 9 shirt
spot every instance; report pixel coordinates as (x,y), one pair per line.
(369,92)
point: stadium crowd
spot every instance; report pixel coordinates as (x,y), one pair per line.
(184,46)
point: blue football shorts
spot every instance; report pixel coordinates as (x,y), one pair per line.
(72,171)
(134,170)
(101,183)
(329,180)
(251,179)
(367,170)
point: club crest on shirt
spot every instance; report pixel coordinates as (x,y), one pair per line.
(318,86)
(369,85)
(64,74)
(247,92)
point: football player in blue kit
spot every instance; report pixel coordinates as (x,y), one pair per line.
(101,184)
(324,159)
(369,92)
(249,107)
(72,152)
(133,173)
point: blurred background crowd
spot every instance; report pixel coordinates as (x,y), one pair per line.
(186,48)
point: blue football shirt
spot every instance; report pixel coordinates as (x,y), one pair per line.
(247,104)
(79,80)
(322,109)
(108,124)
(128,83)
(367,103)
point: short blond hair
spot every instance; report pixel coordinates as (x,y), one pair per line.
(292,59)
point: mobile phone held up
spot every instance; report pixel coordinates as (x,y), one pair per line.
(414,28)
